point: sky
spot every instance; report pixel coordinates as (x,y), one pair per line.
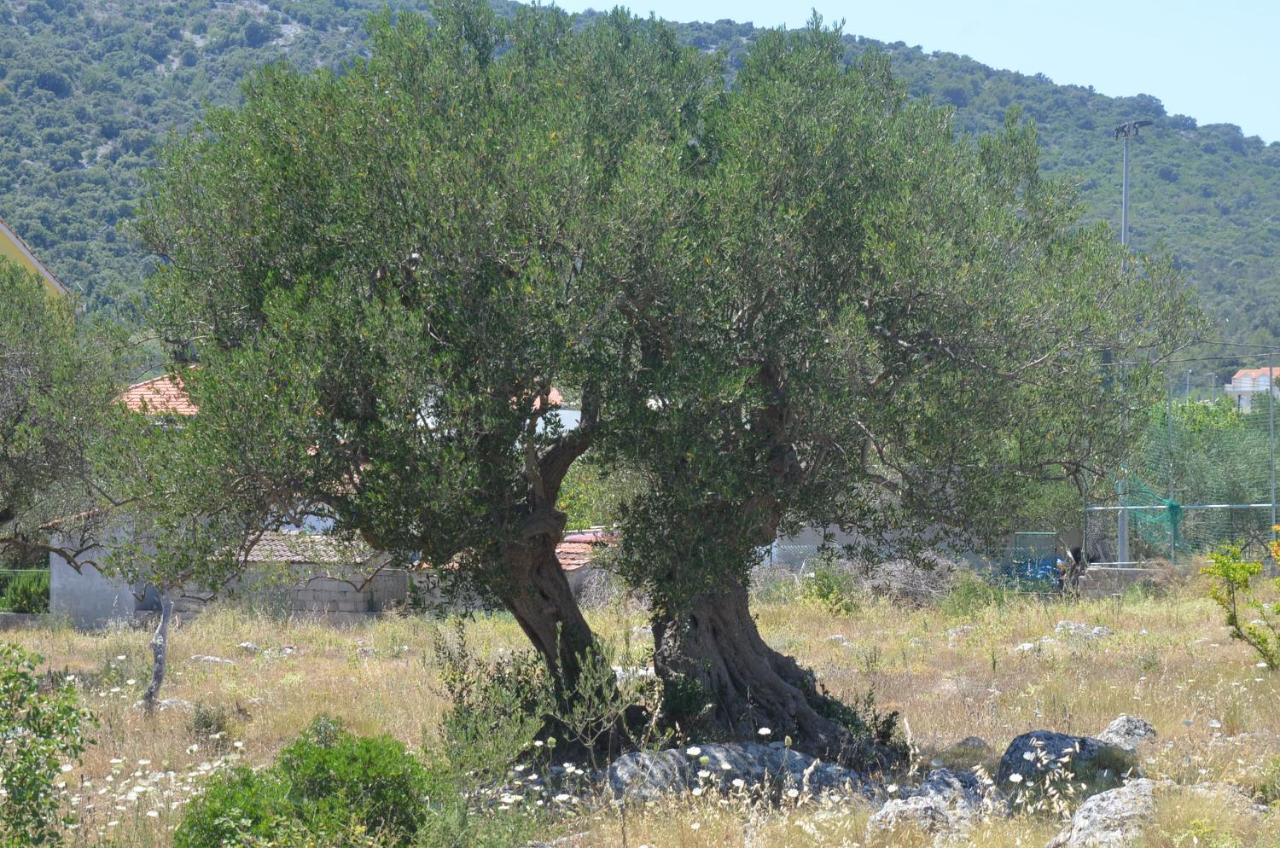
(1215,60)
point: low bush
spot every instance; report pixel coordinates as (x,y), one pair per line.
(39,731)
(27,592)
(326,783)
(1250,619)
(832,587)
(971,593)
(332,789)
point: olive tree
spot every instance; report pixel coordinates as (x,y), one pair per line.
(57,379)
(861,320)
(388,275)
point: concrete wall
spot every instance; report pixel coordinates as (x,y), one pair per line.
(87,597)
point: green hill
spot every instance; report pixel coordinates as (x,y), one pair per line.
(88,88)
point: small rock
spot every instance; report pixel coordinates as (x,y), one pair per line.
(1117,818)
(955,634)
(365,651)
(838,639)
(211,660)
(1127,732)
(920,814)
(248,647)
(944,806)
(168,704)
(1076,630)
(1034,647)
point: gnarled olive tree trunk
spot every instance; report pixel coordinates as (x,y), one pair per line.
(734,685)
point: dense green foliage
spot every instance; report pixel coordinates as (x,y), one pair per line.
(57,379)
(40,730)
(26,591)
(88,90)
(333,789)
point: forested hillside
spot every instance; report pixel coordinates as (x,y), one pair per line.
(89,88)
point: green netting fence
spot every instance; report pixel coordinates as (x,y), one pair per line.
(1201,475)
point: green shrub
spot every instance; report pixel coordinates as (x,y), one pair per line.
(335,777)
(1231,586)
(236,809)
(331,789)
(832,587)
(327,783)
(971,593)
(39,731)
(27,592)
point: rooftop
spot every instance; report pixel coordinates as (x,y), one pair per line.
(15,249)
(163,395)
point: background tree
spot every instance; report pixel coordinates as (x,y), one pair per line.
(862,321)
(57,380)
(386,274)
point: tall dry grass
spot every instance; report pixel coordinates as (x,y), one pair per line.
(951,673)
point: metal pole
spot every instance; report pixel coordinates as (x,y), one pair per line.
(1124,194)
(1271,435)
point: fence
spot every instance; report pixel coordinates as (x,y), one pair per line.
(1202,473)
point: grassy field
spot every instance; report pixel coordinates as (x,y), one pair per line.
(952,672)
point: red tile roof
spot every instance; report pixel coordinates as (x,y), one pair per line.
(1250,374)
(309,548)
(577,550)
(159,396)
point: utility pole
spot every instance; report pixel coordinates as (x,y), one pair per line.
(1124,132)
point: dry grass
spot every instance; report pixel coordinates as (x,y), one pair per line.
(1168,660)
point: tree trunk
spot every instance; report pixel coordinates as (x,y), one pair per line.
(536,591)
(159,653)
(723,678)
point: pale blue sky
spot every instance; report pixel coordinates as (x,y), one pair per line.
(1215,60)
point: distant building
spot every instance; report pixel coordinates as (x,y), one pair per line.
(1246,383)
(303,571)
(15,249)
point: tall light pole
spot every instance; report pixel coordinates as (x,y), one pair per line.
(1124,132)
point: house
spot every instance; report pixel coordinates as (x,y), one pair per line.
(15,249)
(1246,383)
(305,571)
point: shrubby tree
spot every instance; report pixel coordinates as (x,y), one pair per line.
(57,379)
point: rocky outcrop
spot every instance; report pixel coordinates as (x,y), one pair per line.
(1111,819)
(645,775)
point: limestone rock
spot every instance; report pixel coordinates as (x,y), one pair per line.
(945,806)
(646,775)
(1127,732)
(1111,819)
(1036,759)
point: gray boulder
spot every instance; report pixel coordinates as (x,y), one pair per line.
(1111,819)
(1041,758)
(945,806)
(646,775)
(1127,732)
(1117,818)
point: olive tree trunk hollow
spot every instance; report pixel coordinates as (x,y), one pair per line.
(723,680)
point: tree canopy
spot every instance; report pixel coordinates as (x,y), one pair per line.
(799,299)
